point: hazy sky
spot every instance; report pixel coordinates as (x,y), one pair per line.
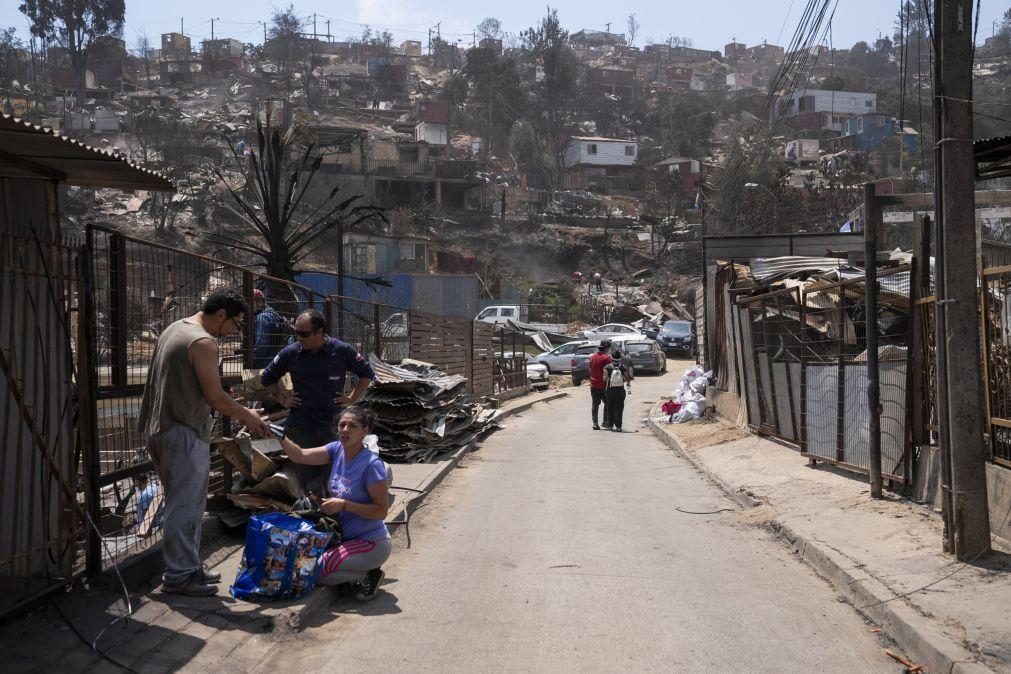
(709,23)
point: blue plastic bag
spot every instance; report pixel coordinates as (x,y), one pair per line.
(281,559)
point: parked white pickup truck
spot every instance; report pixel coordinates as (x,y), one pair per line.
(501,313)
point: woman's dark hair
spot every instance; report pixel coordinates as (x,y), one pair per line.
(231,301)
(316,319)
(616,354)
(365,417)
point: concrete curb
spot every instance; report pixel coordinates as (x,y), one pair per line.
(914,633)
(292,619)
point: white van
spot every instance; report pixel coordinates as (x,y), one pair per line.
(499,313)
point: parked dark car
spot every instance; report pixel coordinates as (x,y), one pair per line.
(650,329)
(581,363)
(677,337)
(646,356)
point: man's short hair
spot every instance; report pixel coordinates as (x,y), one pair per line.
(316,319)
(230,300)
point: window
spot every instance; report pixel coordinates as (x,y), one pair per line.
(591,148)
(566,350)
(407,251)
(630,150)
(488,313)
(508,312)
(868,103)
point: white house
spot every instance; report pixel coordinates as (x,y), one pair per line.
(601,164)
(596,151)
(822,100)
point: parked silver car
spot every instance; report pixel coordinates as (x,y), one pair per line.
(646,355)
(559,359)
(609,330)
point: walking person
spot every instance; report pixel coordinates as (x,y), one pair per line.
(182,388)
(318,365)
(617,377)
(359,498)
(597,385)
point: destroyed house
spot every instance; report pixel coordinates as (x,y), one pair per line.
(589,39)
(613,79)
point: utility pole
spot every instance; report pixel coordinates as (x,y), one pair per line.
(182,30)
(328,30)
(872,225)
(212,28)
(264,33)
(314,26)
(608,27)
(961,379)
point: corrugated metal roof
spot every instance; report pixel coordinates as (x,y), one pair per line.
(31,151)
(767,268)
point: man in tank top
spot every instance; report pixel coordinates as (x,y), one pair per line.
(182,388)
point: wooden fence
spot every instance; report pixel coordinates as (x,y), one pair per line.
(456,346)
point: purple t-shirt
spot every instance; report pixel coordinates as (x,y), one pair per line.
(351,480)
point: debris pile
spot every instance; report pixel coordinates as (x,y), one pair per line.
(423,412)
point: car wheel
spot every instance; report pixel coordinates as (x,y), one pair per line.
(545,364)
(663,366)
(576,381)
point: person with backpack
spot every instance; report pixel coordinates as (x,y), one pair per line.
(617,377)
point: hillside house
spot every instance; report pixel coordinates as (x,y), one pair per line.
(613,79)
(410,48)
(823,109)
(601,164)
(735,51)
(868,132)
(590,39)
(689,170)
(492,43)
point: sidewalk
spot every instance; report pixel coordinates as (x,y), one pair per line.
(170,632)
(883,556)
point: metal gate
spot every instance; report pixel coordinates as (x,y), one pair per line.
(42,528)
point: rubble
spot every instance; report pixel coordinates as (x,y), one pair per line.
(423,412)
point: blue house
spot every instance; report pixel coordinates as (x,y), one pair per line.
(868,131)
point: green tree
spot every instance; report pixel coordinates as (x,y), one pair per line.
(682,124)
(285,46)
(490,28)
(547,45)
(494,94)
(74,25)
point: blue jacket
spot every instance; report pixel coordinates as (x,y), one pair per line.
(318,379)
(271,333)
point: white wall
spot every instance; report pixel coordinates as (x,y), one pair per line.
(609,152)
(433,134)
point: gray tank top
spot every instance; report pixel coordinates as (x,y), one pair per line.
(172,394)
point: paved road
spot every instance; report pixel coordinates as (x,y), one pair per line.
(558,548)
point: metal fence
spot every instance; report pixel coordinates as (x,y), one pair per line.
(835,373)
(996,315)
(803,360)
(42,518)
(137,289)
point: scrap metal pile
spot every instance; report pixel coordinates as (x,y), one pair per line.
(423,412)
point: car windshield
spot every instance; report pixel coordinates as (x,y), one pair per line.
(638,348)
(678,327)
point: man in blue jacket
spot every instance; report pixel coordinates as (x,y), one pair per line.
(318,365)
(270,331)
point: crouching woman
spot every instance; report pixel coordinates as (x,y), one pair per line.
(358,497)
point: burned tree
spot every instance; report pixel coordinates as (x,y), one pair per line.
(287,227)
